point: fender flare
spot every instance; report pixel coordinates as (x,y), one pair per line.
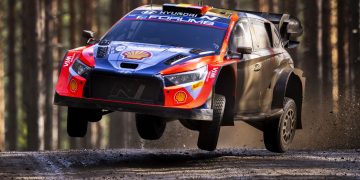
(230,104)
(281,87)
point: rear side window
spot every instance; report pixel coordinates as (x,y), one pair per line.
(261,38)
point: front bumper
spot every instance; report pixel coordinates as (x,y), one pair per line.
(173,113)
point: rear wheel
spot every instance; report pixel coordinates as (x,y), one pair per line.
(150,127)
(209,132)
(279,133)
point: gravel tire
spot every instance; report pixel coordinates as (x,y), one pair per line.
(209,132)
(76,122)
(150,127)
(279,133)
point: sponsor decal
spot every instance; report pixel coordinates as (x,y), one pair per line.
(149,12)
(68,61)
(180,97)
(120,48)
(197,85)
(209,18)
(73,85)
(178,13)
(213,73)
(180,19)
(136,55)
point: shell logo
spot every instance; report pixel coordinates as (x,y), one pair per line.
(73,85)
(180,97)
(136,55)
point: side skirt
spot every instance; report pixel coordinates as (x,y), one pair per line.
(257,120)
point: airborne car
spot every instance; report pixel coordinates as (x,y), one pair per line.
(204,66)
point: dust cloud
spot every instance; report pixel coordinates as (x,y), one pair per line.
(326,125)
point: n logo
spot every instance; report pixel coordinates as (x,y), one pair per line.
(209,18)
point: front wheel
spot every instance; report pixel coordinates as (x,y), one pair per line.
(76,122)
(209,132)
(150,127)
(279,133)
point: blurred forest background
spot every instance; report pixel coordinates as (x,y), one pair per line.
(35,34)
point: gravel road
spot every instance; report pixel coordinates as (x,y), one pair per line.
(180,164)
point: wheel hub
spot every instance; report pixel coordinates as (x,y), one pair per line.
(288,126)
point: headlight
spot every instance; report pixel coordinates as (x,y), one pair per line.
(80,68)
(186,77)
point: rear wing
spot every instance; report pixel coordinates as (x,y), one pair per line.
(289,26)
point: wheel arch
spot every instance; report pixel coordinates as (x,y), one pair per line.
(226,85)
(291,83)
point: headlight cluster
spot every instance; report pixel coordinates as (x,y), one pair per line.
(186,77)
(80,68)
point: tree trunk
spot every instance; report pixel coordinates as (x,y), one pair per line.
(73,24)
(232,4)
(310,27)
(326,45)
(116,11)
(310,58)
(30,69)
(216,4)
(73,44)
(342,22)
(134,4)
(11,105)
(354,46)
(271,5)
(47,71)
(263,6)
(256,5)
(2,100)
(60,110)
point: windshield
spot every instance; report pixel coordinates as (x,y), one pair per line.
(168,33)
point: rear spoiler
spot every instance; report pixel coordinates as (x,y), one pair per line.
(289,26)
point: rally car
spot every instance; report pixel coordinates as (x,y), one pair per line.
(204,66)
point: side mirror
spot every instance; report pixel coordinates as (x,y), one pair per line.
(89,36)
(244,50)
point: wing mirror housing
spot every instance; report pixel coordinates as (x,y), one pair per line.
(239,54)
(244,50)
(89,36)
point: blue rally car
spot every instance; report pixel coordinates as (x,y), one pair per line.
(204,66)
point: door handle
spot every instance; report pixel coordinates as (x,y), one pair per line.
(257,67)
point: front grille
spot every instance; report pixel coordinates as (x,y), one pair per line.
(125,88)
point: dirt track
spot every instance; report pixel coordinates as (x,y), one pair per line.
(174,164)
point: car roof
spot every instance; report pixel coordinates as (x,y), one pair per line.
(221,13)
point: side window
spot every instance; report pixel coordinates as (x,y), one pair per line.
(241,36)
(276,37)
(261,35)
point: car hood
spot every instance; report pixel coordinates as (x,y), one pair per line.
(140,58)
